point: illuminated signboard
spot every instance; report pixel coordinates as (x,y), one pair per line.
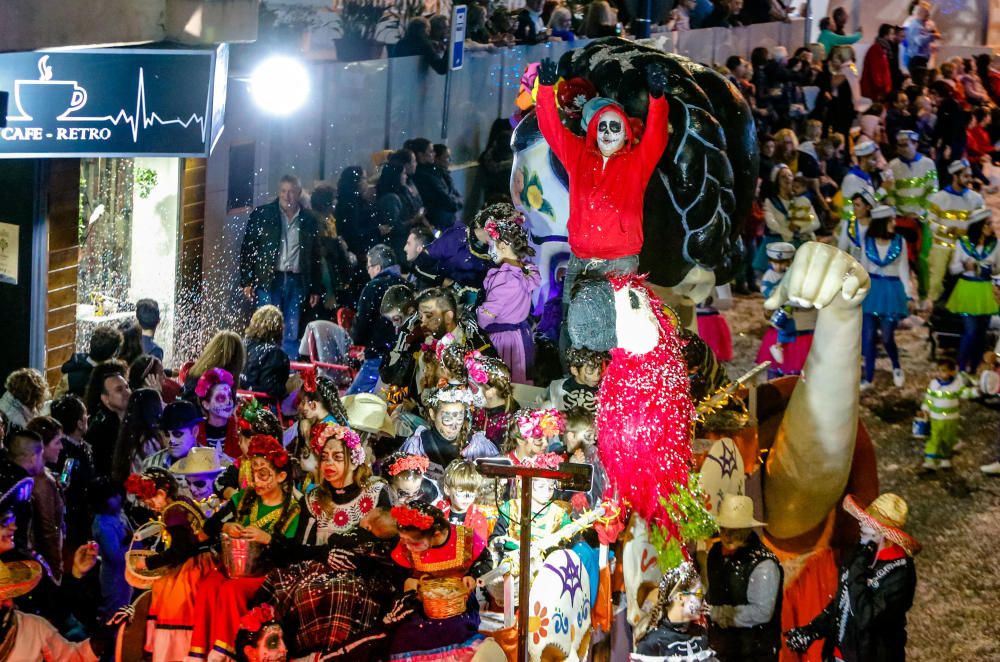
(113,102)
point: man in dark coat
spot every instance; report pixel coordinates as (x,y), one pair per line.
(530,28)
(104,344)
(865,620)
(441,200)
(370,328)
(280,260)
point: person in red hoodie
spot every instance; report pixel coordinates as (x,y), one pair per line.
(876,76)
(608,173)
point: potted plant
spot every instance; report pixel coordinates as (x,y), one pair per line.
(354,30)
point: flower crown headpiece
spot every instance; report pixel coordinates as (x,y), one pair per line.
(210,378)
(418,463)
(258,617)
(411,517)
(543,461)
(141,486)
(506,229)
(269,448)
(324,432)
(540,423)
(446,341)
(456,393)
(248,413)
(482,369)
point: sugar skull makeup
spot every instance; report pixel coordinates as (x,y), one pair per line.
(610,133)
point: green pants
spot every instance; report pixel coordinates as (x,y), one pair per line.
(938,260)
(944,434)
(923,271)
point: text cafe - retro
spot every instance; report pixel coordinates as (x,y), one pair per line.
(102,162)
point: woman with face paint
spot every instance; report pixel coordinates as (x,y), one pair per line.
(443,558)
(345,490)
(449,436)
(506,304)
(407,482)
(265,510)
(217,397)
(671,625)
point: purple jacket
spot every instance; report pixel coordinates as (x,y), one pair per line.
(455,260)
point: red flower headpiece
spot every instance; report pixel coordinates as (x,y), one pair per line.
(322,433)
(506,229)
(411,517)
(417,463)
(258,617)
(543,461)
(262,445)
(210,378)
(142,487)
(308,379)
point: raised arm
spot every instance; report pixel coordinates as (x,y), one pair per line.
(565,144)
(657,132)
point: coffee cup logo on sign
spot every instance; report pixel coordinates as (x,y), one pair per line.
(46,100)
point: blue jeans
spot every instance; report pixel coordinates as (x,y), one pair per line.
(970,347)
(870,327)
(286,292)
(367,377)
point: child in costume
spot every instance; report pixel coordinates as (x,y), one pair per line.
(445,559)
(975,261)
(669,631)
(783,331)
(866,618)
(581,447)
(183,563)
(944,395)
(787,217)
(252,418)
(852,231)
(547,515)
(266,509)
(197,473)
(579,389)
(407,480)
(885,260)
(450,436)
(461,486)
(949,214)
(218,402)
(531,431)
(260,638)
(503,313)
(493,377)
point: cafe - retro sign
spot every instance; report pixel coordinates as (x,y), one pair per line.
(113,102)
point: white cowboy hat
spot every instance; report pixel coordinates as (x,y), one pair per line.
(198,462)
(367,412)
(736,512)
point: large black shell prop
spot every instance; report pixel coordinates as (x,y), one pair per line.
(700,196)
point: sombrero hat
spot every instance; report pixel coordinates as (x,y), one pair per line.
(198,462)
(18,578)
(887,515)
(367,412)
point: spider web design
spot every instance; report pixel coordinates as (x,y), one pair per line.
(570,575)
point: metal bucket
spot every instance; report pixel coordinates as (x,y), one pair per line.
(241,557)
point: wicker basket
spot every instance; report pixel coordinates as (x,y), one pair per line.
(141,579)
(443,597)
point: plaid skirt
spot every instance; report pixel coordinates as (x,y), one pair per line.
(321,609)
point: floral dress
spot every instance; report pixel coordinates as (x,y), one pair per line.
(349,506)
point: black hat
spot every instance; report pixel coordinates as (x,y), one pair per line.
(179,415)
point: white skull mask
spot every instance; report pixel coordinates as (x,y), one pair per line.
(610,133)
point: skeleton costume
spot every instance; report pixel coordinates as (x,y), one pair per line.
(866,619)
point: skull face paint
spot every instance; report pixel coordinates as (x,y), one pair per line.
(448,419)
(219,404)
(270,646)
(610,133)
